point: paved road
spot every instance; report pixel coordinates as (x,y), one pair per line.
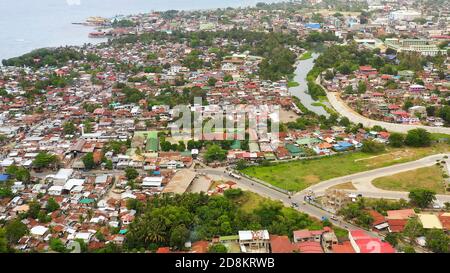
(344,110)
(276,195)
(362,181)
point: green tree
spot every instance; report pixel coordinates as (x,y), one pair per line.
(179,236)
(422,197)
(349,89)
(19,173)
(181,146)
(396,139)
(241,164)
(43,217)
(34,209)
(437,241)
(166,146)
(418,138)
(215,153)
(3,241)
(217,248)
(371,146)
(227,78)
(408,104)
(109,164)
(233,193)
(409,249)
(131,173)
(52,205)
(88,161)
(69,128)
(392,239)
(44,160)
(57,245)
(14,230)
(362,87)
(344,122)
(413,229)
(212,81)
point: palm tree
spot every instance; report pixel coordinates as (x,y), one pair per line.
(155,232)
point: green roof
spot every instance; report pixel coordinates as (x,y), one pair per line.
(123,231)
(293,149)
(307,141)
(87,201)
(236,145)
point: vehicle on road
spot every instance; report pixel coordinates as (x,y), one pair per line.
(333,217)
(294,204)
(234,175)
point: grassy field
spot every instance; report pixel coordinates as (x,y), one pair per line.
(430,178)
(305,56)
(298,175)
(249,201)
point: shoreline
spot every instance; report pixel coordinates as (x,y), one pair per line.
(87,40)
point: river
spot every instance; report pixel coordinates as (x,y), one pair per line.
(30,24)
(302,70)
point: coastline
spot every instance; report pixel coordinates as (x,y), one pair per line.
(37,30)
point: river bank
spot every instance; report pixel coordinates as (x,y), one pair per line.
(301,90)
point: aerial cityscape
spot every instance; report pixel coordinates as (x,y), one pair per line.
(302,126)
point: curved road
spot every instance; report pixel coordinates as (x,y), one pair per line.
(344,110)
(363,180)
(265,191)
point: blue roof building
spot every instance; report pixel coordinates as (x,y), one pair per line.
(4,177)
(312,25)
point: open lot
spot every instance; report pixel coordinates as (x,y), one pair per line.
(344,186)
(430,178)
(298,175)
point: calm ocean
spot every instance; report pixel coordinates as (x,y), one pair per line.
(29,24)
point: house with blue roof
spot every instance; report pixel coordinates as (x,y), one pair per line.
(4,177)
(312,25)
(342,146)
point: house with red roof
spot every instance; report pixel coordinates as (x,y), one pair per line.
(305,235)
(379,221)
(280,244)
(403,214)
(445,220)
(308,247)
(345,247)
(396,225)
(364,243)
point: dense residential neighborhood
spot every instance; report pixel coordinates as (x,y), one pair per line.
(92,154)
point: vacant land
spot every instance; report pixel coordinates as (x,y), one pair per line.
(430,178)
(249,201)
(344,186)
(298,175)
